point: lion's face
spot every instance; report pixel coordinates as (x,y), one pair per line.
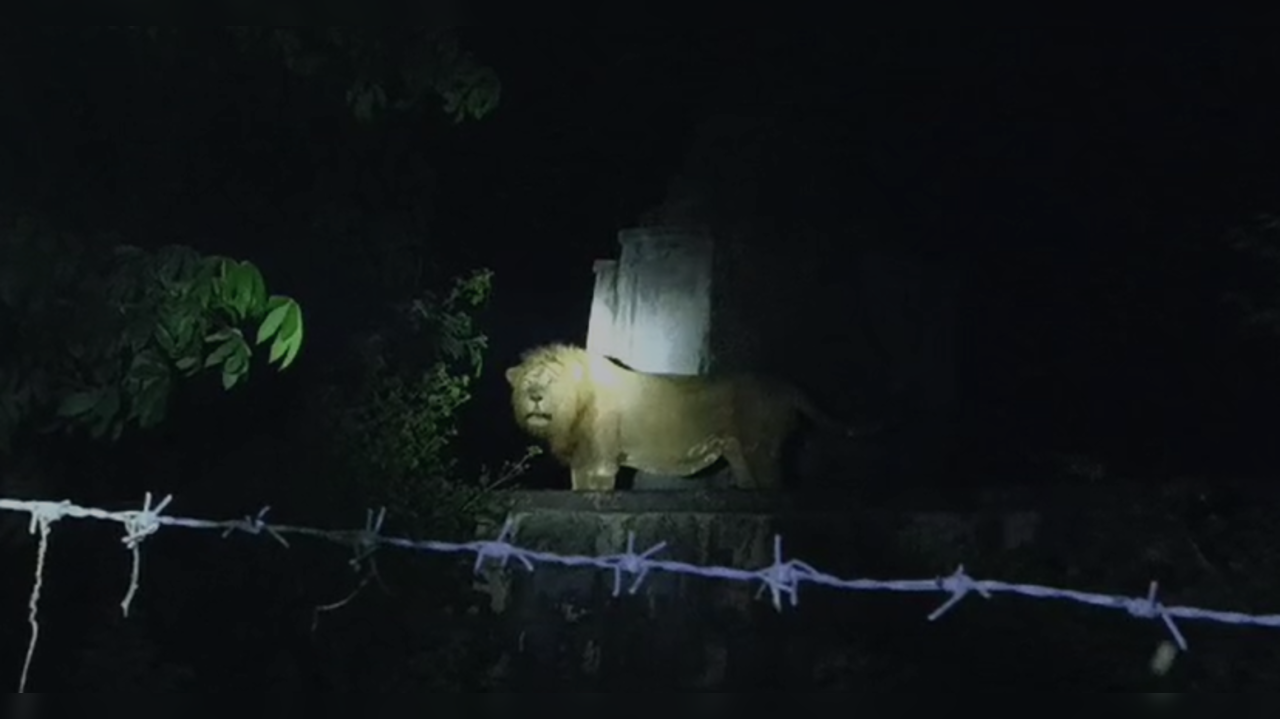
(531,397)
(544,395)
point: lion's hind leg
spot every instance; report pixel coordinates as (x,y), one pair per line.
(753,467)
(737,459)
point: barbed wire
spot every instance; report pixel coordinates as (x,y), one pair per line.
(782,579)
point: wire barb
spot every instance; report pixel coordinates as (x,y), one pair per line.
(958,584)
(255,525)
(636,565)
(500,549)
(366,541)
(139,525)
(783,578)
(1149,607)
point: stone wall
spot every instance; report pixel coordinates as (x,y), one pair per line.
(566,629)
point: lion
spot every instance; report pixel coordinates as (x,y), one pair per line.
(598,416)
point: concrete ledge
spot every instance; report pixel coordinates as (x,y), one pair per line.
(630,502)
(962,499)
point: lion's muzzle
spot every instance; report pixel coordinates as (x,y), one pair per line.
(537,419)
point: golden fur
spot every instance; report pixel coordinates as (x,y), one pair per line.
(598,416)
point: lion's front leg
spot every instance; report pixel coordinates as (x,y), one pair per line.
(596,463)
(594,477)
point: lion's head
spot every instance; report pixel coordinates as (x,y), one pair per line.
(551,392)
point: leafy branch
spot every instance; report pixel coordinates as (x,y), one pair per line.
(395,425)
(100,339)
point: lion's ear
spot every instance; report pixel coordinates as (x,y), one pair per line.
(511,376)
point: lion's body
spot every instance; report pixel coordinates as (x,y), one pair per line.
(599,416)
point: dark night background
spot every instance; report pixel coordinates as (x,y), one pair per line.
(1070,202)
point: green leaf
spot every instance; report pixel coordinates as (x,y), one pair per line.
(285,348)
(222,334)
(78,403)
(277,350)
(237,362)
(205,285)
(243,288)
(229,379)
(292,323)
(165,339)
(224,350)
(289,337)
(291,351)
(275,317)
(147,365)
(175,265)
(110,404)
(105,414)
(258,296)
(149,404)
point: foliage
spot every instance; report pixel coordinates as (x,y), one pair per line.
(101,336)
(390,429)
(88,320)
(381,70)
(394,424)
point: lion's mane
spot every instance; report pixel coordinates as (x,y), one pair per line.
(598,415)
